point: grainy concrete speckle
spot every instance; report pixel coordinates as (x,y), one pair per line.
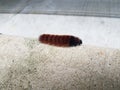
(26,64)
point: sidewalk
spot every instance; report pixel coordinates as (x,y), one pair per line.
(26,64)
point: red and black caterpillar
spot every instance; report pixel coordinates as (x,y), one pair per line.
(60,40)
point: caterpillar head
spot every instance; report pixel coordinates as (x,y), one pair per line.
(74,41)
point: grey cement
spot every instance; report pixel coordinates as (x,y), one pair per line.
(26,64)
(98,31)
(105,8)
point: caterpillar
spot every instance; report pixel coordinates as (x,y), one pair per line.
(60,40)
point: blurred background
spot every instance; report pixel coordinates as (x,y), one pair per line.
(109,8)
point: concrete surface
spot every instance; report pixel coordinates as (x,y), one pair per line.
(105,8)
(103,32)
(26,64)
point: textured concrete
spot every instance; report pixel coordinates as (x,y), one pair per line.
(26,64)
(109,8)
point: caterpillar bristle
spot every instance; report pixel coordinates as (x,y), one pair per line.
(60,40)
